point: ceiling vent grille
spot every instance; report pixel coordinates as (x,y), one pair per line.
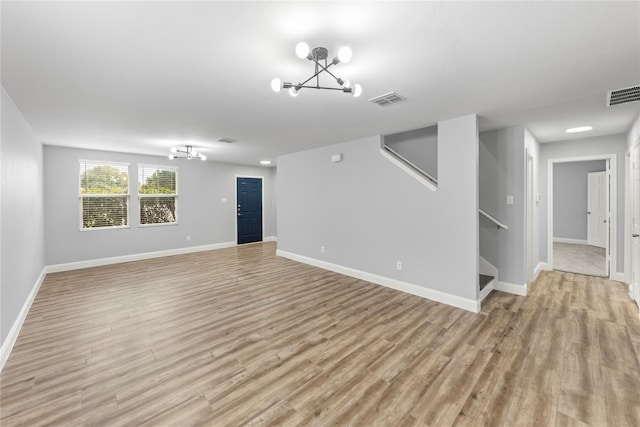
(227,140)
(623,96)
(387,99)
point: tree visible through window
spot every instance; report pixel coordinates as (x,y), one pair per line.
(157,192)
(104,194)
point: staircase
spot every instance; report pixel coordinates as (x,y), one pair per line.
(485,279)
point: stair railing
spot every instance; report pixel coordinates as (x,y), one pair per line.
(493,220)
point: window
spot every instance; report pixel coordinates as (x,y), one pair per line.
(157,191)
(104,194)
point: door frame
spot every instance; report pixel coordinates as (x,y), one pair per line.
(235,204)
(612,203)
(529,216)
(628,225)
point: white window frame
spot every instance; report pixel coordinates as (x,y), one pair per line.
(144,196)
(81,196)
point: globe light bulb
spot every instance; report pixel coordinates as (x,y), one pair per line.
(302,50)
(174,150)
(294,92)
(203,157)
(171,156)
(276,84)
(344,54)
(357,90)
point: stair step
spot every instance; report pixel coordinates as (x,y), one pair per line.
(485,280)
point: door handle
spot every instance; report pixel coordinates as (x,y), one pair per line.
(588,213)
(635,235)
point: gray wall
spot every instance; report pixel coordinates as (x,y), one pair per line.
(502,173)
(368,213)
(570,198)
(610,144)
(201,215)
(419,146)
(22,255)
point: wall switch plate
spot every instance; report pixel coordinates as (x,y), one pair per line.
(224,200)
(188,238)
(398,265)
(509,200)
(321,249)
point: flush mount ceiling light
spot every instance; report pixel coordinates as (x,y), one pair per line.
(319,56)
(265,162)
(188,153)
(579,129)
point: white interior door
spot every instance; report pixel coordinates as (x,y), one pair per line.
(597,209)
(635,222)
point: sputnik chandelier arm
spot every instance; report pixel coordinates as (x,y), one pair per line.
(188,153)
(319,56)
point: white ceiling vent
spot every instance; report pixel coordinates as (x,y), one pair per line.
(623,96)
(387,99)
(227,140)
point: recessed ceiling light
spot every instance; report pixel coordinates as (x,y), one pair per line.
(579,129)
(265,162)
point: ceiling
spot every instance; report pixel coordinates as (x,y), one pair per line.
(144,76)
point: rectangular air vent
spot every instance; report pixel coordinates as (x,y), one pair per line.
(387,99)
(227,140)
(623,96)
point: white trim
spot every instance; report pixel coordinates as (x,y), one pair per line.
(511,288)
(613,204)
(270,239)
(542,266)
(485,267)
(620,277)
(135,257)
(487,289)
(235,204)
(11,338)
(431,294)
(570,241)
(422,180)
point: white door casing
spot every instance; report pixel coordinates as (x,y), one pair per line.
(635,223)
(612,254)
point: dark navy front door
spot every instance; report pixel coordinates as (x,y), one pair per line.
(249,209)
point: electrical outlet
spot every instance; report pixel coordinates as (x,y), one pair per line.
(188,238)
(321,249)
(398,265)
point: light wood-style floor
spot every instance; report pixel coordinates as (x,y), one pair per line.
(239,336)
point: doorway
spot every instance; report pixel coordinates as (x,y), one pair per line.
(581,232)
(249,209)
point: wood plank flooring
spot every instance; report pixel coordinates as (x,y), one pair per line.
(241,337)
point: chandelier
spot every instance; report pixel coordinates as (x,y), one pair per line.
(319,56)
(188,153)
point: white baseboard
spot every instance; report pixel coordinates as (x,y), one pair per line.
(270,239)
(431,294)
(511,288)
(134,257)
(542,266)
(571,241)
(9,342)
(620,277)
